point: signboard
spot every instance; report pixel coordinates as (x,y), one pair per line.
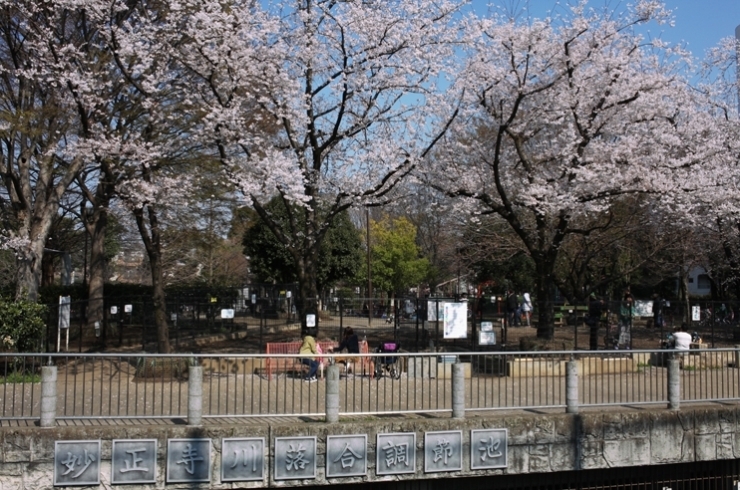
(134,461)
(188,460)
(455,320)
(128,308)
(395,453)
(64,314)
(433,314)
(64,310)
(346,456)
(243,459)
(486,338)
(695,313)
(295,458)
(310,320)
(486,326)
(227,313)
(488,449)
(643,308)
(76,463)
(443,451)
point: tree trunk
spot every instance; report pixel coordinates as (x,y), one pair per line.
(545,300)
(96,284)
(152,242)
(306,303)
(47,270)
(684,294)
(28,274)
(160,306)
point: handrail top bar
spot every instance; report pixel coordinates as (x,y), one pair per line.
(597,353)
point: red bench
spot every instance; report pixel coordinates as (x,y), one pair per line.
(289,364)
(293,364)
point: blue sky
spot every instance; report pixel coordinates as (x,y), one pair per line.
(699,24)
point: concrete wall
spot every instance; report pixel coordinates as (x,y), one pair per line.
(536,444)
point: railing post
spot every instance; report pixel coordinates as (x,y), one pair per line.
(195,394)
(737,357)
(332,394)
(674,383)
(48,396)
(571,386)
(458,390)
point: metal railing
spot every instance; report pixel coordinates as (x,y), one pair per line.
(152,386)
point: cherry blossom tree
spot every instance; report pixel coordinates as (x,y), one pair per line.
(93,84)
(713,211)
(39,155)
(562,116)
(346,90)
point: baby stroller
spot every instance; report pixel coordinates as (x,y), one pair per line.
(387,364)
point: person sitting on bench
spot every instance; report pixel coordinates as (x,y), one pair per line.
(307,354)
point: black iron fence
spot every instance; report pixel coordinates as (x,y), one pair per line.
(417,322)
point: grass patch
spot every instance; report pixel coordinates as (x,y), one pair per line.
(20,378)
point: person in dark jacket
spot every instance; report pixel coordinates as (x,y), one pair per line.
(512,306)
(349,342)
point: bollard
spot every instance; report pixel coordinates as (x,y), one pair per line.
(195,395)
(48,396)
(458,390)
(674,383)
(332,394)
(571,386)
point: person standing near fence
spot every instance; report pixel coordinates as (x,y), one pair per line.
(512,305)
(658,305)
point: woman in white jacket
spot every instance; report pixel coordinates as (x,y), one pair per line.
(527,307)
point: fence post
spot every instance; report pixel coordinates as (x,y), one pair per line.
(195,394)
(48,396)
(332,394)
(737,357)
(571,386)
(674,383)
(458,390)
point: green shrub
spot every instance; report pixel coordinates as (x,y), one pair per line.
(22,326)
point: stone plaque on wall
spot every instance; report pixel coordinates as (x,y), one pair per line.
(243,459)
(76,463)
(346,456)
(134,461)
(295,458)
(443,451)
(188,460)
(396,453)
(488,449)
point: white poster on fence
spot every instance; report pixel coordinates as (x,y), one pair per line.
(434,314)
(456,321)
(65,303)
